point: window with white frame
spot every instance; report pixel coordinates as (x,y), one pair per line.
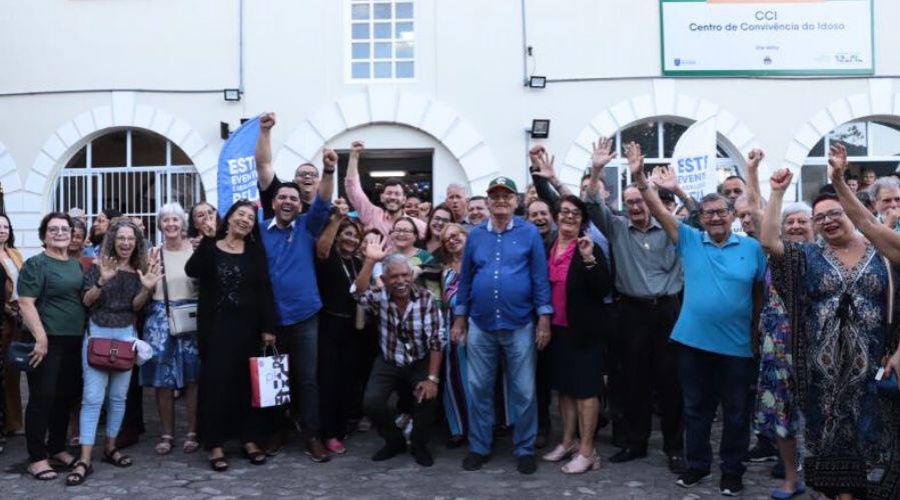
(657,139)
(871,145)
(382,40)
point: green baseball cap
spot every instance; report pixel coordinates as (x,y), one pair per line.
(502,183)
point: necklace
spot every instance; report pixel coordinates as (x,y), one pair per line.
(231,246)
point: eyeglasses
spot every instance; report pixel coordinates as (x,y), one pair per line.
(306,175)
(833,214)
(59,229)
(565,212)
(634,203)
(721,212)
(402,231)
(442,220)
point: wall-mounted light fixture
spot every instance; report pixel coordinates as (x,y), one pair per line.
(540,129)
(232,94)
(537,82)
(224,130)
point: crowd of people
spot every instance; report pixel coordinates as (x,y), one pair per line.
(479,308)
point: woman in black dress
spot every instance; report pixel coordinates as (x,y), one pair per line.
(235,315)
(579,280)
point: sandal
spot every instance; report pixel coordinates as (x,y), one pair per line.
(122,460)
(581,464)
(164,446)
(44,475)
(256,457)
(190,443)
(219,464)
(76,478)
(69,465)
(561,452)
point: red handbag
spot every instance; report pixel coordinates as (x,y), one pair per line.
(111,355)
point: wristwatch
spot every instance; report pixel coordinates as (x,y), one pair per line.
(434,378)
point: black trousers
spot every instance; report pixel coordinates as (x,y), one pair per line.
(52,393)
(337,362)
(387,378)
(650,369)
(544,394)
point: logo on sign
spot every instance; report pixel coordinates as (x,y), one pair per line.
(677,61)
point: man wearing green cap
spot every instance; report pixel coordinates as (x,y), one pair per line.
(503,286)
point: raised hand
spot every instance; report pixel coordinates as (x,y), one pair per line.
(586,247)
(357,147)
(664,177)
(342,207)
(781,179)
(267,121)
(635,160)
(602,152)
(152,277)
(837,159)
(754,158)
(109,266)
(329,158)
(535,154)
(374,249)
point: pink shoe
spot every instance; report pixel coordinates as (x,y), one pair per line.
(560,453)
(581,464)
(335,445)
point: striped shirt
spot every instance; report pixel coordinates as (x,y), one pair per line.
(405,336)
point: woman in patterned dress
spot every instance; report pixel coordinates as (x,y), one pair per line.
(776,411)
(176,363)
(837,293)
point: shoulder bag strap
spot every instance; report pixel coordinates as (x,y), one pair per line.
(165,282)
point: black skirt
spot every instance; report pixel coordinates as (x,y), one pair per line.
(576,366)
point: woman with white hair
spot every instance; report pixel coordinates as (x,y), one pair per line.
(175,364)
(776,409)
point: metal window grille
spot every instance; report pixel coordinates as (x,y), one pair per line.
(137,191)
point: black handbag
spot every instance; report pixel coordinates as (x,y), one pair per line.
(18,356)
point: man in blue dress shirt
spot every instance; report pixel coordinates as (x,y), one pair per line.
(503,285)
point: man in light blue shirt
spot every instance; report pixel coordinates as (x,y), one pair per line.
(723,276)
(503,284)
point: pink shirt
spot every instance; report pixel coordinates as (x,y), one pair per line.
(558,273)
(371,215)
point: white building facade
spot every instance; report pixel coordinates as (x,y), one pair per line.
(107,100)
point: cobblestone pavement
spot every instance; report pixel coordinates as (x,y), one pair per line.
(292,475)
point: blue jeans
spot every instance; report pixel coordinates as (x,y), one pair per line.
(96,383)
(482,350)
(708,379)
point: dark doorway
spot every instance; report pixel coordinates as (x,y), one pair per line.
(412,166)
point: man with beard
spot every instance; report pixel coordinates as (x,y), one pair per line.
(289,240)
(457,196)
(393,199)
(723,276)
(649,281)
(503,285)
(476,211)
(411,351)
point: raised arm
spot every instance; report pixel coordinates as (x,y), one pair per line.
(544,175)
(329,164)
(353,188)
(648,192)
(373,251)
(326,238)
(753,192)
(885,239)
(264,171)
(770,229)
(601,156)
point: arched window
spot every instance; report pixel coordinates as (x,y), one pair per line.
(657,139)
(134,171)
(871,144)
